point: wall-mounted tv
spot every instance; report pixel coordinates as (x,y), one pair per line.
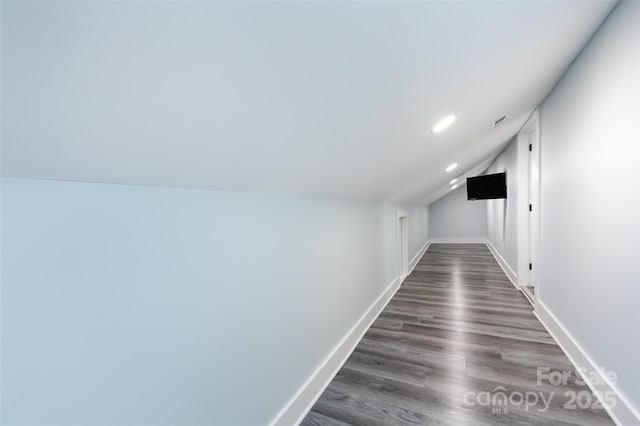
(487,187)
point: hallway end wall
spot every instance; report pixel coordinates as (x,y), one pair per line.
(454,218)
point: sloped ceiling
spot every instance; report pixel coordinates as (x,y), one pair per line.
(328,99)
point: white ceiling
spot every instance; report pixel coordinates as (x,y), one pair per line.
(327,98)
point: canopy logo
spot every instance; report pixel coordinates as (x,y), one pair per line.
(500,401)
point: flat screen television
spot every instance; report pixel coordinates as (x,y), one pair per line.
(487,187)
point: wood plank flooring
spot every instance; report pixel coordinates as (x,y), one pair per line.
(455,338)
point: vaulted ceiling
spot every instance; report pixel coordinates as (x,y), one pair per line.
(327,98)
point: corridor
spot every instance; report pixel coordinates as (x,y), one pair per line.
(457,345)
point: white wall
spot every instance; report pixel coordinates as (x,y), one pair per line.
(590,199)
(502,214)
(453,216)
(155,306)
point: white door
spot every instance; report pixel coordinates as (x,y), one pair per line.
(534,206)
(528,206)
(403,248)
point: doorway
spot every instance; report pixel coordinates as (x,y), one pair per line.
(403,246)
(529,207)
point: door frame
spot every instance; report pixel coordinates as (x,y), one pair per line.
(529,193)
(402,238)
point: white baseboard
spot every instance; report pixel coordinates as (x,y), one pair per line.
(624,414)
(418,256)
(458,240)
(503,264)
(297,408)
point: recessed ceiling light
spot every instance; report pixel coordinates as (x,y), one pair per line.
(453,181)
(444,123)
(454,186)
(451,167)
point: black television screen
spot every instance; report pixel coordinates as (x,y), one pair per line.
(487,187)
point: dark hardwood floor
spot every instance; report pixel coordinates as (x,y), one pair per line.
(455,341)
